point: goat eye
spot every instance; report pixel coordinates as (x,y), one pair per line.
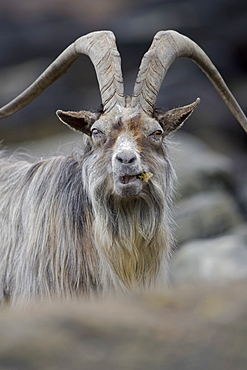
(157,133)
(96,132)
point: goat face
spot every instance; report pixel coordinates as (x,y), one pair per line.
(137,140)
(125,144)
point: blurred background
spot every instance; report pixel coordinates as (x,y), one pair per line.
(187,327)
(210,151)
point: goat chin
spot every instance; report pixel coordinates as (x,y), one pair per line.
(132,233)
(129,190)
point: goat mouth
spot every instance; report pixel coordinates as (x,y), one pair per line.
(129,186)
(128,179)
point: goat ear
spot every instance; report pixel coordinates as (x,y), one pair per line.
(173,119)
(78,121)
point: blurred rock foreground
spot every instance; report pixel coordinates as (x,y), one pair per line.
(179,329)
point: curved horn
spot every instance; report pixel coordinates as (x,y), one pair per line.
(101,48)
(166,47)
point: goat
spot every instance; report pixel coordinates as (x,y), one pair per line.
(98,221)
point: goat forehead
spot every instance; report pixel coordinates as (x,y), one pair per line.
(136,121)
(130,131)
(130,120)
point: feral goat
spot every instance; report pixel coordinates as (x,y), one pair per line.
(99,221)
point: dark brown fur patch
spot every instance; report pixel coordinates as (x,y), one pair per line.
(117,125)
(134,125)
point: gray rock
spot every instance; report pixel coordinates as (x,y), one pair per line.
(198,167)
(205,202)
(205,215)
(242,190)
(216,261)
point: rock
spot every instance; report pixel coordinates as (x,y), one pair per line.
(205,215)
(198,167)
(215,261)
(242,190)
(205,199)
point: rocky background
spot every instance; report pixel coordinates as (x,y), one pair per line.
(210,151)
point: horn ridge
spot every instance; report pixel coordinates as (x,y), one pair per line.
(102,50)
(166,47)
(95,45)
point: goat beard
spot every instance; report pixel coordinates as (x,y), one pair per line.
(132,236)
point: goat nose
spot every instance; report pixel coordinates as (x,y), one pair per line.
(126,157)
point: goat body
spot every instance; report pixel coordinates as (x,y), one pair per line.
(65,232)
